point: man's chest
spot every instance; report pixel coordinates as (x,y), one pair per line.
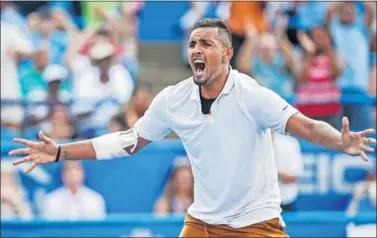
(227,121)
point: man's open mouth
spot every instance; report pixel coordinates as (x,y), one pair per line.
(199,65)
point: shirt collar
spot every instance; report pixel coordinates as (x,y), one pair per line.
(226,90)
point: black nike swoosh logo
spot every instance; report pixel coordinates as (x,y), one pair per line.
(285,107)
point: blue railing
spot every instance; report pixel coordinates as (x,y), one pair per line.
(299,224)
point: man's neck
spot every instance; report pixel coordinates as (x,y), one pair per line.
(214,89)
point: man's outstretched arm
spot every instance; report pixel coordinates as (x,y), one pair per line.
(321,133)
(118,144)
(153,126)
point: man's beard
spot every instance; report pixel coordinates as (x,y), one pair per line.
(200,82)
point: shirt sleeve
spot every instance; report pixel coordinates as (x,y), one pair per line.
(266,108)
(154,125)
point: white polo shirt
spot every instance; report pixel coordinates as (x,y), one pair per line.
(230,150)
(62,204)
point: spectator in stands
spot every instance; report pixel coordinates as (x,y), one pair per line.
(122,21)
(14,205)
(364,195)
(100,83)
(130,15)
(241,14)
(74,201)
(58,86)
(139,104)
(289,161)
(58,90)
(51,31)
(350,29)
(363,200)
(318,95)
(15,47)
(178,195)
(269,59)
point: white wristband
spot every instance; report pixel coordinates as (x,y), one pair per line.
(113,145)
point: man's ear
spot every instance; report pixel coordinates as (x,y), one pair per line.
(228,54)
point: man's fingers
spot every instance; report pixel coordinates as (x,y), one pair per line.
(369,141)
(23,160)
(22,151)
(368,149)
(345,125)
(367,132)
(364,156)
(44,138)
(25,142)
(30,168)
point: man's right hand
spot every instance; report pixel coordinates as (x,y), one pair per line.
(43,152)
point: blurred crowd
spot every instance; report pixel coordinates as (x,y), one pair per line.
(82,58)
(315,51)
(84,66)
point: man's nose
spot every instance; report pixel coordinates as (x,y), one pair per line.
(197,50)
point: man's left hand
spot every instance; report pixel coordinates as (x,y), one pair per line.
(355,143)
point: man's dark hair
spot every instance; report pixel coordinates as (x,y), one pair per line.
(224,34)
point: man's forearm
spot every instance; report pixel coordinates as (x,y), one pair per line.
(114,145)
(78,150)
(316,132)
(325,135)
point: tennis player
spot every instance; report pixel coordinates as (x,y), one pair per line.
(224,119)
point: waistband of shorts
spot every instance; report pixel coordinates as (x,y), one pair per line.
(251,217)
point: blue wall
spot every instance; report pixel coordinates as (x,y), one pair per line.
(133,184)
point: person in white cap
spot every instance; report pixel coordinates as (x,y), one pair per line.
(55,75)
(96,78)
(224,119)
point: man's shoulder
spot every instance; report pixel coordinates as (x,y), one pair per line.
(245,81)
(179,89)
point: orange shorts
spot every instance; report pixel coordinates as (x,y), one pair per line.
(196,228)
